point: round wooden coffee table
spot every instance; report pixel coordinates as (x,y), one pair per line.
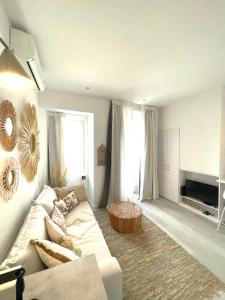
(125,216)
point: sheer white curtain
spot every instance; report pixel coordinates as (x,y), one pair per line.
(149,180)
(56,162)
(128,153)
(75,148)
(67,148)
(121,179)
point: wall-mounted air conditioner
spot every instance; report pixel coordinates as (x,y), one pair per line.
(24,48)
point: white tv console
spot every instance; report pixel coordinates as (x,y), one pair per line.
(196,205)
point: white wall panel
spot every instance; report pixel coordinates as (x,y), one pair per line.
(199,120)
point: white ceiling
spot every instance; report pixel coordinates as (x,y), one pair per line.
(160,50)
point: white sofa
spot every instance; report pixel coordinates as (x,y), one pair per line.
(91,241)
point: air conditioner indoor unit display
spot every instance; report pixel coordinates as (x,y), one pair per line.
(24,48)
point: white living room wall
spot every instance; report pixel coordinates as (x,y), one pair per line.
(52,100)
(12,212)
(199,119)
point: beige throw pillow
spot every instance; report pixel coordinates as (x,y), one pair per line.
(53,254)
(58,218)
(69,243)
(55,233)
(79,191)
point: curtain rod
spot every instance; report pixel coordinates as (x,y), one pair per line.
(4,43)
(137,105)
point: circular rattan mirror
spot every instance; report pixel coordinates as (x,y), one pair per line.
(8,125)
(33,144)
(29,142)
(9,178)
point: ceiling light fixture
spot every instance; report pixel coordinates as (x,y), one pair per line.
(12,74)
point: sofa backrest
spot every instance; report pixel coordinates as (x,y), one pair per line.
(22,252)
(46,199)
(79,191)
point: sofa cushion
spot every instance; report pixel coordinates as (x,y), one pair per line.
(79,191)
(53,254)
(46,198)
(78,230)
(92,242)
(22,252)
(81,213)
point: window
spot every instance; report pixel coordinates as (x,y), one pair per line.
(75,146)
(131,151)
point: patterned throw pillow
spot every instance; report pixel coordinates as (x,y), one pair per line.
(67,203)
(71,200)
(53,254)
(69,243)
(55,233)
(58,218)
(61,205)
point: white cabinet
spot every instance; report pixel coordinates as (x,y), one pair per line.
(168,163)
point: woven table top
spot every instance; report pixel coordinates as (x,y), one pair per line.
(124,209)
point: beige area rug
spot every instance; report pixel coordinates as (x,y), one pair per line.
(155,267)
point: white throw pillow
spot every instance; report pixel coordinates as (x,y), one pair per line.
(22,252)
(46,198)
(53,254)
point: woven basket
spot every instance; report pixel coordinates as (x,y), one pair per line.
(125,217)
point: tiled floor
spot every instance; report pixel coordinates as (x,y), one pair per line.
(193,232)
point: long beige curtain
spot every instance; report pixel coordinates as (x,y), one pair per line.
(149,180)
(134,152)
(121,160)
(56,169)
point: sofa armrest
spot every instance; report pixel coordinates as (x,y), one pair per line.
(112,277)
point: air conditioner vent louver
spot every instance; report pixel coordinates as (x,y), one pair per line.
(25,50)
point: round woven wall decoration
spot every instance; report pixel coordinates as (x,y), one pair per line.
(8,125)
(9,178)
(29,142)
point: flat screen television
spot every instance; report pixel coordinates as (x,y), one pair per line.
(203,192)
